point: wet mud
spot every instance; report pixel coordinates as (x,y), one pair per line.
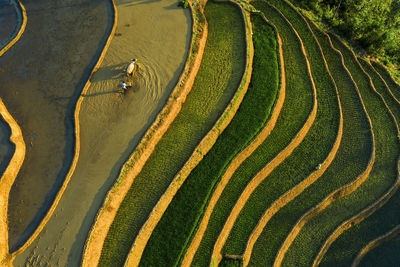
(41,77)
(158,34)
(10,21)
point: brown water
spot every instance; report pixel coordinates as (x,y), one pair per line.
(6,147)
(9,25)
(10,21)
(157,33)
(41,77)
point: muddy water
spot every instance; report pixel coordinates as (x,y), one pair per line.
(8,27)
(10,21)
(6,147)
(41,77)
(157,33)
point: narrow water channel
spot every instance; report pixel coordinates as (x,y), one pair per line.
(158,34)
(41,77)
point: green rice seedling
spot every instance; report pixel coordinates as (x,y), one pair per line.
(356,144)
(182,216)
(304,159)
(218,78)
(381,178)
(386,254)
(346,247)
(393,86)
(297,107)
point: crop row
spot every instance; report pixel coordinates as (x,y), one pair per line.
(386,183)
(281,186)
(383,173)
(187,207)
(295,112)
(215,84)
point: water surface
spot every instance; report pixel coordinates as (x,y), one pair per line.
(157,33)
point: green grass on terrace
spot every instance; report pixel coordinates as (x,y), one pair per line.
(297,107)
(382,176)
(346,247)
(350,161)
(386,254)
(218,79)
(182,216)
(393,86)
(304,159)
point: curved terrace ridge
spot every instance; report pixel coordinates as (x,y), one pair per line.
(10,173)
(363,214)
(298,189)
(135,163)
(380,241)
(59,194)
(204,146)
(20,31)
(338,193)
(239,159)
(7,180)
(262,174)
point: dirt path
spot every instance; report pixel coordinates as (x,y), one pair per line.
(112,124)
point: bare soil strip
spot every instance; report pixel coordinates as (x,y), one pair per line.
(204,146)
(238,160)
(134,165)
(262,174)
(356,219)
(376,243)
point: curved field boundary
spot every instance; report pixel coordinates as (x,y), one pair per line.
(20,31)
(204,146)
(77,144)
(382,70)
(262,174)
(337,194)
(239,159)
(10,173)
(356,219)
(375,243)
(139,157)
(7,179)
(298,189)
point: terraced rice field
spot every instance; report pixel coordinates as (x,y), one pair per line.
(277,146)
(215,85)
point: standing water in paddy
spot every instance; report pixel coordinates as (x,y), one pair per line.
(10,21)
(157,34)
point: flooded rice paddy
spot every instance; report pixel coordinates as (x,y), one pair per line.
(157,33)
(41,77)
(10,20)
(9,26)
